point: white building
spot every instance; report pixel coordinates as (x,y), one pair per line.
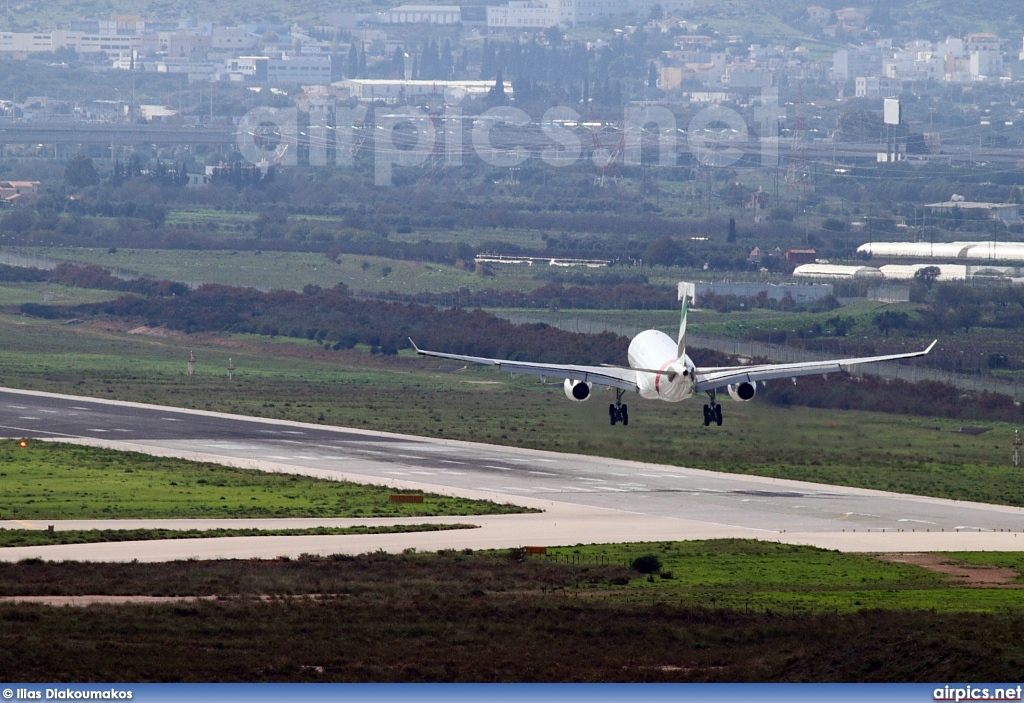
(244,69)
(874,87)
(1007,212)
(524,14)
(851,63)
(819,15)
(396,90)
(952,47)
(981,41)
(540,14)
(986,65)
(157,113)
(747,76)
(228,38)
(293,69)
(25,42)
(424,14)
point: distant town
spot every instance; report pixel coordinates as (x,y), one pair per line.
(409,53)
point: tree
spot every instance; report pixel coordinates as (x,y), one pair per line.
(19,221)
(430,63)
(488,62)
(352,70)
(839,325)
(398,63)
(80,172)
(965,315)
(496,95)
(890,320)
(652,76)
(447,61)
(732,230)
(663,251)
(928,275)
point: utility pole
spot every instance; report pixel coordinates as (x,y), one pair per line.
(1016,448)
(231,370)
(191,364)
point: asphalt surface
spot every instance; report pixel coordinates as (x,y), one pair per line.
(716,498)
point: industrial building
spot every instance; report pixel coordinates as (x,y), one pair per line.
(1006,212)
(396,90)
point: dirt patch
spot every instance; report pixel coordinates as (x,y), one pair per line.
(963,573)
(87,600)
(82,601)
(153,331)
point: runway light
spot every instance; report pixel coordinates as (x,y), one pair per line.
(22,444)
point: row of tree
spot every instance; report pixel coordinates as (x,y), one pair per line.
(623,296)
(335,318)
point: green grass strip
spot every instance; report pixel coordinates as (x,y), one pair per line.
(53,481)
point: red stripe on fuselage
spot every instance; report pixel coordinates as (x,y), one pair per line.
(657,377)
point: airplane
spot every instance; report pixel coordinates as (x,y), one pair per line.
(660,369)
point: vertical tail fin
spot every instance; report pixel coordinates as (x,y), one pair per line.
(687,294)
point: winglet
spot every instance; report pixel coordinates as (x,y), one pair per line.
(414,345)
(934,342)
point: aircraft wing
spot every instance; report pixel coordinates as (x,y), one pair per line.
(719,377)
(607,376)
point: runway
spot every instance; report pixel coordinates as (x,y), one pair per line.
(585,499)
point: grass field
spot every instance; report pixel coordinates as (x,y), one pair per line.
(289,270)
(744,575)
(732,611)
(706,321)
(301,381)
(49,481)
(51,294)
(729,574)
(37,538)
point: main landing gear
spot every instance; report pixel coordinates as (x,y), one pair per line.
(712,412)
(618,412)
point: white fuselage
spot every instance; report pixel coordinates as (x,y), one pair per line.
(655,350)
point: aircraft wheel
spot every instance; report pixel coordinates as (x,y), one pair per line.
(718,415)
(707,416)
(613,414)
(624,414)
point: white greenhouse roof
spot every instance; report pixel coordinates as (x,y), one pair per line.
(986,250)
(835,271)
(948,272)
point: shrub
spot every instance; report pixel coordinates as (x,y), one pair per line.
(647,564)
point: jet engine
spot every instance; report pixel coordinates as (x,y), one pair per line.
(743,392)
(576,391)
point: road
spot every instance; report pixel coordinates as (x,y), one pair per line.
(585,499)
